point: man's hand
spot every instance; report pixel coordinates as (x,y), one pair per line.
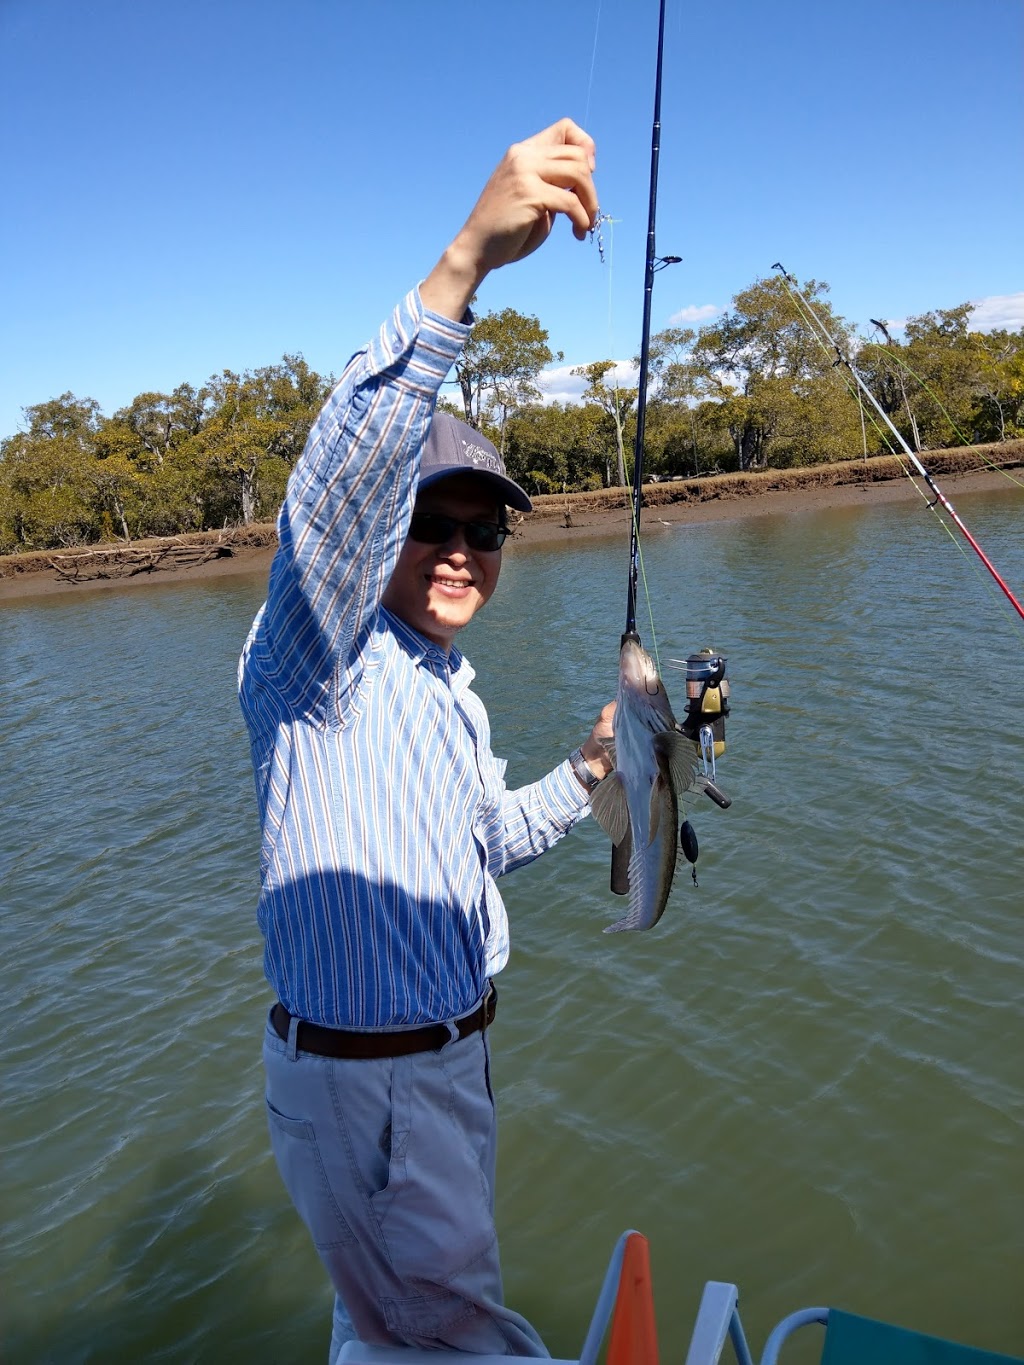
(593,749)
(548,174)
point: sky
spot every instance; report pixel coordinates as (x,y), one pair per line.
(190,186)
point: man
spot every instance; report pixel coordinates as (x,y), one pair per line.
(385,818)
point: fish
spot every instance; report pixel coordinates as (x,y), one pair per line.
(637,805)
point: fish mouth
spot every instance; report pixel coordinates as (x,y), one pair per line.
(637,669)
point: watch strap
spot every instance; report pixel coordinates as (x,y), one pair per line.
(579,766)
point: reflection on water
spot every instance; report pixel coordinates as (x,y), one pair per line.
(806,1079)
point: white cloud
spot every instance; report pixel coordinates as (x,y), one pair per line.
(695,312)
(998,311)
(559,385)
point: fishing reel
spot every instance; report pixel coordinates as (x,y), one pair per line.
(707,705)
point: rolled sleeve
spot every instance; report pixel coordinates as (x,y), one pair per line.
(537,816)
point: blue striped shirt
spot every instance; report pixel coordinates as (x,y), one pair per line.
(385,817)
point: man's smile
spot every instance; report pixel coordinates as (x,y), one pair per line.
(449,584)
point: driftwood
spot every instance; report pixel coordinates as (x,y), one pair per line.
(127,561)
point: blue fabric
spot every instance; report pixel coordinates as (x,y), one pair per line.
(385,817)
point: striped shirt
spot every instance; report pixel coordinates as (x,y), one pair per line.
(384,815)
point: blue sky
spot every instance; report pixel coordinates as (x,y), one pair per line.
(194,185)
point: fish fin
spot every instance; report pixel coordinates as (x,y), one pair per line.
(608,807)
(634,916)
(678,755)
(630,921)
(638,916)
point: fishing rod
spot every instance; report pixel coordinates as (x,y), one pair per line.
(645,341)
(706,684)
(843,359)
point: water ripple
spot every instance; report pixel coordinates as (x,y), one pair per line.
(806,1078)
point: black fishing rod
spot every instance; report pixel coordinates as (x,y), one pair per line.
(645,341)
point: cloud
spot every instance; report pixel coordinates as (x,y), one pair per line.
(695,312)
(995,312)
(999,311)
(558,384)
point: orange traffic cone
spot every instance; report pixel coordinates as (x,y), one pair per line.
(634,1337)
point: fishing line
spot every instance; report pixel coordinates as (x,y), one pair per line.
(813,324)
(940,497)
(593,60)
(608,261)
(968,445)
(828,347)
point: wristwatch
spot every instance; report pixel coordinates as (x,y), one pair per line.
(583,773)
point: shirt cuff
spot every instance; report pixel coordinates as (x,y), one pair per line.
(568,797)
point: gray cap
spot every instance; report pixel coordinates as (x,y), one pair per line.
(453,447)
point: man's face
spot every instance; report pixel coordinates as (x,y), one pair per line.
(438,589)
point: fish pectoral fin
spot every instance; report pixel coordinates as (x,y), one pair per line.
(677,755)
(608,807)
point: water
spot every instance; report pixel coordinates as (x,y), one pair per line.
(807,1079)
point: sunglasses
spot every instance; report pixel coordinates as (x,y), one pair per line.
(431,528)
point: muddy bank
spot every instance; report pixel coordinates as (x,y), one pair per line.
(556,520)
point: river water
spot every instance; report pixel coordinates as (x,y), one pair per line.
(807,1079)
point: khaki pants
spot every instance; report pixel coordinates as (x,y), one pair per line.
(390,1163)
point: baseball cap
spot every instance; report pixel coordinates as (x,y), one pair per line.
(453,447)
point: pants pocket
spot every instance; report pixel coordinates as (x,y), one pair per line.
(302,1168)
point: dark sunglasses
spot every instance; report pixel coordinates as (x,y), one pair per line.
(431,528)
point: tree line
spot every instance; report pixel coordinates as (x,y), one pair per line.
(750,390)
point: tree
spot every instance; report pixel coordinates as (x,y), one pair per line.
(672,376)
(775,380)
(557,447)
(48,492)
(884,371)
(671,431)
(499,366)
(254,427)
(999,385)
(617,403)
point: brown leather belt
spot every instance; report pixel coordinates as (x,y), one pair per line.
(347,1043)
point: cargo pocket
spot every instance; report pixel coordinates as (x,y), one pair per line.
(427,1319)
(305,1177)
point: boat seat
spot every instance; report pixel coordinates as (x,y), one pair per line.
(847,1340)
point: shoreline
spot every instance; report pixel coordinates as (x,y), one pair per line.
(35,576)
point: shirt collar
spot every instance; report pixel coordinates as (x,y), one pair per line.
(421,650)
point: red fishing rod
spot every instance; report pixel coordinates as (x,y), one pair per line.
(843,359)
